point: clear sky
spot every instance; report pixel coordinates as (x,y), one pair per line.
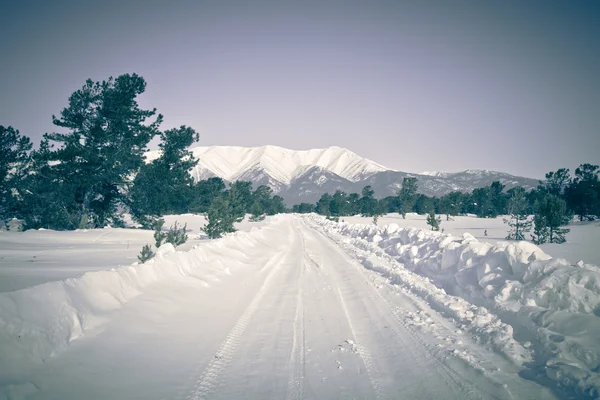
(420,85)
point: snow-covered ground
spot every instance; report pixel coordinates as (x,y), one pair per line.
(583,242)
(298,307)
(35,257)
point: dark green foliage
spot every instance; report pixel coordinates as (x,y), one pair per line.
(583,195)
(241,198)
(14,162)
(433,221)
(145,254)
(89,174)
(423,204)
(407,195)
(368,203)
(324,204)
(177,234)
(450,204)
(550,215)
(257,212)
(164,186)
(204,192)
(221,217)
(556,182)
(518,222)
(159,235)
(339,204)
(303,208)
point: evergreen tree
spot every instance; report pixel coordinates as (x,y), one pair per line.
(262,196)
(277,206)
(368,203)
(257,212)
(497,198)
(519,222)
(583,194)
(14,162)
(159,235)
(107,135)
(450,204)
(556,182)
(550,215)
(339,204)
(323,205)
(407,195)
(204,192)
(353,204)
(482,202)
(433,221)
(221,217)
(145,254)
(241,198)
(423,204)
(164,186)
(303,208)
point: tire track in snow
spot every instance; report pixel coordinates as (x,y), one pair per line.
(373,372)
(449,375)
(209,381)
(297,357)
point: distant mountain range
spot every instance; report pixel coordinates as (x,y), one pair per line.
(304,175)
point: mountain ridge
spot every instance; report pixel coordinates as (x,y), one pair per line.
(304,175)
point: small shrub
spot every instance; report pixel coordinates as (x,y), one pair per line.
(177,235)
(159,235)
(145,254)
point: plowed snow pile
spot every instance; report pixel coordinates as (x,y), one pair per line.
(41,321)
(553,306)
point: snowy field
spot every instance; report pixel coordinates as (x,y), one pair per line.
(299,307)
(34,257)
(583,242)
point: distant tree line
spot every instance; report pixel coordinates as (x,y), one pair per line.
(94,170)
(553,203)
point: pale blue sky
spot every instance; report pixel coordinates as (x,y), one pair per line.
(414,85)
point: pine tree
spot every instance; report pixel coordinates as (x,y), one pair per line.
(145,254)
(164,186)
(583,194)
(177,235)
(368,203)
(240,198)
(14,161)
(258,214)
(433,221)
(550,215)
(407,195)
(90,173)
(204,192)
(159,235)
(323,206)
(221,217)
(519,222)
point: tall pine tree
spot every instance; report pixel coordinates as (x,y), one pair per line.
(518,222)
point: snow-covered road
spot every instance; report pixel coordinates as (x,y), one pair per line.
(290,315)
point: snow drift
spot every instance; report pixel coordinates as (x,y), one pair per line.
(551,305)
(41,321)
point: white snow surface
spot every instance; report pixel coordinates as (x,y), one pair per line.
(551,306)
(301,307)
(281,311)
(283,165)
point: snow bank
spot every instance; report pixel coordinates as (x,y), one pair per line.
(550,305)
(41,321)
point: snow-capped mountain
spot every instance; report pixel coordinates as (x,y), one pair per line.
(304,175)
(282,165)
